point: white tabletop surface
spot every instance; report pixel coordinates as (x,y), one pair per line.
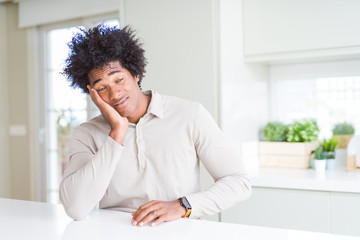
(338,180)
(38,221)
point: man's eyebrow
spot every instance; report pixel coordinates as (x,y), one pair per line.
(113,72)
(96,81)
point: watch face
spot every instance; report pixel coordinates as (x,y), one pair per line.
(185,203)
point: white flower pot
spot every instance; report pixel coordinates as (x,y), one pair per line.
(320,165)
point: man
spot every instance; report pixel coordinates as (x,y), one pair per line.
(142,153)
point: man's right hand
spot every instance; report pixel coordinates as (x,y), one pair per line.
(119,124)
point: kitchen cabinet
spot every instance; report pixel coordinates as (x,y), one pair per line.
(345,213)
(287,30)
(301,199)
(283,208)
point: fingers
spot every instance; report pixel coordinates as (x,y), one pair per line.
(158,221)
(94,95)
(99,102)
(157,212)
(146,213)
(151,216)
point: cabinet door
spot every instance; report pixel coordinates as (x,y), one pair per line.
(345,213)
(293,209)
(280,26)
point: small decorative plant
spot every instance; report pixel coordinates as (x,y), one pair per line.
(275,132)
(329,148)
(320,160)
(343,128)
(305,130)
(319,153)
(343,132)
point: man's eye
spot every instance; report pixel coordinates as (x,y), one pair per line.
(119,80)
(100,89)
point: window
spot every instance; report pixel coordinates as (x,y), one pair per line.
(327,99)
(65,107)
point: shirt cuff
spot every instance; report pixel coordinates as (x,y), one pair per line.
(195,202)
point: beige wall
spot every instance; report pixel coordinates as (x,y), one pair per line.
(4,156)
(16,111)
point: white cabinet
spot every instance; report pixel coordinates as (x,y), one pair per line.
(319,211)
(282,29)
(293,209)
(345,213)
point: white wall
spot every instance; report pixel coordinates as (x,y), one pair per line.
(4,139)
(181,45)
(244,106)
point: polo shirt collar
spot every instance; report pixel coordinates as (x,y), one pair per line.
(156,104)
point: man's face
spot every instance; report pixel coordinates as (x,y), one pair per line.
(117,87)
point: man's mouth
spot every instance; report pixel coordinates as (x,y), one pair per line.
(121,103)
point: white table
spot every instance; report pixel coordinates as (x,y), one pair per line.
(34,220)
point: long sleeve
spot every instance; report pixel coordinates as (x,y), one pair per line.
(232,183)
(89,173)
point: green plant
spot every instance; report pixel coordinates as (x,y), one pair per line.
(305,130)
(343,128)
(319,153)
(275,132)
(329,148)
(330,145)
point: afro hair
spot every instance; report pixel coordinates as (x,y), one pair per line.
(97,47)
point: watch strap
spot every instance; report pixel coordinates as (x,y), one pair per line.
(185,203)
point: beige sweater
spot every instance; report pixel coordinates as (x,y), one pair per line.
(159,160)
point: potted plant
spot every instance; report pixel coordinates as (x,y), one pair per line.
(299,140)
(275,132)
(303,131)
(343,132)
(329,153)
(319,159)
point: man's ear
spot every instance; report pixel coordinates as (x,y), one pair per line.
(137,78)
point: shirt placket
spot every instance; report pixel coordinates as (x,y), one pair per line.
(139,143)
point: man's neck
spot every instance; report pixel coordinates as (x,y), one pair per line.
(144,102)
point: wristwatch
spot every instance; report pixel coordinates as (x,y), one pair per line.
(185,203)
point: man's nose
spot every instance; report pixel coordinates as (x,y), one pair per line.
(114,92)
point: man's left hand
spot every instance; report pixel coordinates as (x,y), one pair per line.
(156,212)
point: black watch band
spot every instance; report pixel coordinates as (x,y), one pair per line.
(185,203)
